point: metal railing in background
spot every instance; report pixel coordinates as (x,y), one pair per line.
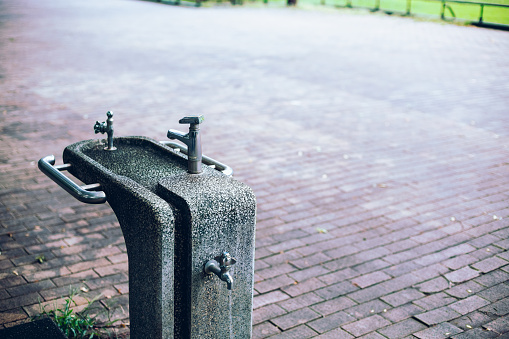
(445,6)
(481,4)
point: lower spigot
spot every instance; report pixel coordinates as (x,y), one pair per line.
(221,269)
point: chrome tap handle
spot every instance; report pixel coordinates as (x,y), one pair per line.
(227,261)
(106,127)
(193,120)
(192,140)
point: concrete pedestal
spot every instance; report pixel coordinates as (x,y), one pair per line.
(173,223)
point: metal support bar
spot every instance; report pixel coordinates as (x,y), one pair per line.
(79,192)
(225,169)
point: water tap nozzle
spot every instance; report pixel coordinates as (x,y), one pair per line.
(106,127)
(222,268)
(192,140)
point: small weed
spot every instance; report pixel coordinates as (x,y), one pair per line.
(40,258)
(80,324)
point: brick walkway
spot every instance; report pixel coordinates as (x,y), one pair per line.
(377,147)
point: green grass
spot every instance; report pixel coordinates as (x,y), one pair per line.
(80,325)
(427,8)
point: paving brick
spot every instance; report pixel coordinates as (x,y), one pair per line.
(338,276)
(499,325)
(435,300)
(476,333)
(118,258)
(314,271)
(402,329)
(106,281)
(443,330)
(273,284)
(486,252)
(264,313)
(370,266)
(374,335)
(264,330)
(34,309)
(269,298)
(484,241)
(313,260)
(300,301)
(504,255)
(431,271)
(401,269)
(368,308)
(464,290)
(122,288)
(495,293)
(504,244)
(499,308)
(112,269)
(330,322)
(287,245)
(274,271)
(22,300)
(469,304)
(434,285)
(366,325)
(12,315)
(472,320)
(489,264)
(369,293)
(30,288)
(337,333)
(402,312)
(460,261)
(296,333)
(463,274)
(299,288)
(85,265)
(4,294)
(438,315)
(295,318)
(402,297)
(51,273)
(370,279)
(75,278)
(333,306)
(492,278)
(9,279)
(280,258)
(336,290)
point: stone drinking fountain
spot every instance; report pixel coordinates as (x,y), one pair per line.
(189,229)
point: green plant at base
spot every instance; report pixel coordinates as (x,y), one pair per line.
(78,325)
(40,258)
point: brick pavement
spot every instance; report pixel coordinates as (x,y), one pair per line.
(377,148)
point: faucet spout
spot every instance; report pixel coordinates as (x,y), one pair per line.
(174,134)
(221,268)
(192,140)
(226,277)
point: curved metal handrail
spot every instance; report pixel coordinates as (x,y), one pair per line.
(225,169)
(79,192)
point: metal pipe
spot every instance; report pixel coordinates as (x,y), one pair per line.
(79,192)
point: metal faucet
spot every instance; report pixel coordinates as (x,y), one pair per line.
(221,268)
(106,127)
(192,140)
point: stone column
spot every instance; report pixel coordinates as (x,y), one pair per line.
(214,213)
